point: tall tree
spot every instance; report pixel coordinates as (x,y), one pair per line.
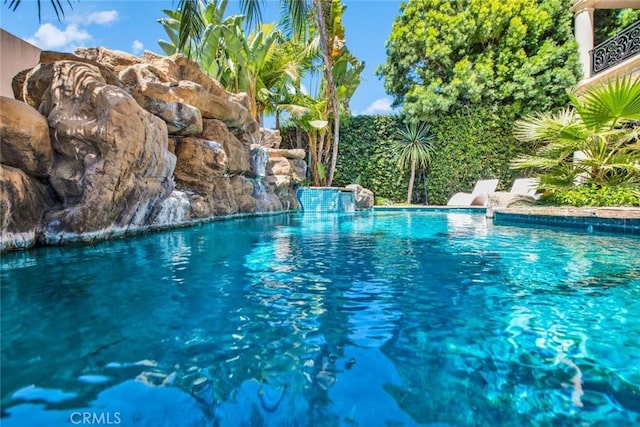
(413,147)
(446,53)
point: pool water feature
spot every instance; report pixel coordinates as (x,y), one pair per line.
(389,318)
(326,200)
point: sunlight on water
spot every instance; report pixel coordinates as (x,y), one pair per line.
(394,318)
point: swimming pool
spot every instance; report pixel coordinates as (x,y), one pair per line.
(388,318)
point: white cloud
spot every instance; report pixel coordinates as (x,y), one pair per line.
(99,18)
(379,106)
(137,47)
(48,37)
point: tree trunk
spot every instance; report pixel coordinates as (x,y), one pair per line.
(260,114)
(411,179)
(314,160)
(334,154)
(426,188)
(328,75)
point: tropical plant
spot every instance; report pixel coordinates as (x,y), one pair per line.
(519,54)
(309,114)
(260,64)
(327,18)
(413,147)
(595,142)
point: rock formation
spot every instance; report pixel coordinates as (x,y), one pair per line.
(104,143)
(363,197)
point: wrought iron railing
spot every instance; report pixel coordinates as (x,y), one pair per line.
(616,49)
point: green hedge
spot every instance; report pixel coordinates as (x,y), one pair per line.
(472,144)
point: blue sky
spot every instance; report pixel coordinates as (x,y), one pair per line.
(131,26)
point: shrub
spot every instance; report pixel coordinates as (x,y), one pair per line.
(592,195)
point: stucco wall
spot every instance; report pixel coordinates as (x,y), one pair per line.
(15,55)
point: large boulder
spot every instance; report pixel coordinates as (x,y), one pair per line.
(24,138)
(363,197)
(270,138)
(179,79)
(237,153)
(114,59)
(199,164)
(174,210)
(242,188)
(294,153)
(294,170)
(111,166)
(181,119)
(22,203)
(222,200)
(266,199)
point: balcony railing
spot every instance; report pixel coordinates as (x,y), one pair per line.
(616,49)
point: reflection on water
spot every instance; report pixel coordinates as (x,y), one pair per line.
(394,318)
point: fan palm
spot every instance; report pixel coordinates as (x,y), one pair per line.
(596,141)
(413,147)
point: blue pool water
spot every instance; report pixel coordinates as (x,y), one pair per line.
(386,319)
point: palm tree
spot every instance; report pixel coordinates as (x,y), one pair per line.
(57,7)
(327,17)
(596,141)
(414,147)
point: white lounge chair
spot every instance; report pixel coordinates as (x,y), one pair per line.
(477,197)
(525,187)
(522,188)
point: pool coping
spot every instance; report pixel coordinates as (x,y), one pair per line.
(625,220)
(622,220)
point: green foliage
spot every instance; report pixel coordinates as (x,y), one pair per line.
(413,148)
(594,195)
(519,54)
(601,127)
(609,22)
(364,153)
(470,144)
(413,144)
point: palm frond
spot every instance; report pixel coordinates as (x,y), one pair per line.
(296,111)
(412,144)
(252,9)
(548,127)
(56,4)
(192,24)
(294,15)
(534,162)
(608,104)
